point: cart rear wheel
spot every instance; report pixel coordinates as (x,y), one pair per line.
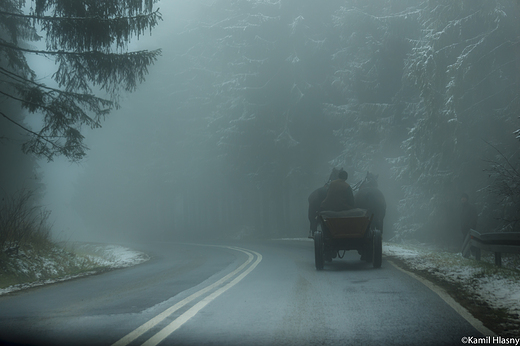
(319,249)
(377,251)
(368,249)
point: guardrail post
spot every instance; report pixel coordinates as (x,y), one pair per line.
(497,243)
(498,259)
(477,253)
(466,249)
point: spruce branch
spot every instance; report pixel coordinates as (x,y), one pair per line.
(65,8)
(87,40)
(57,19)
(110,71)
(88,34)
(30,131)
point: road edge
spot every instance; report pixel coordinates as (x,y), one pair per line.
(462,311)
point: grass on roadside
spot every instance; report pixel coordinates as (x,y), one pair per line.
(27,253)
(448,259)
(42,262)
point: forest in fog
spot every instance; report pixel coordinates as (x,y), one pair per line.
(252,103)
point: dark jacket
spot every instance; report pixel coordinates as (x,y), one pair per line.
(315,200)
(468,218)
(339,197)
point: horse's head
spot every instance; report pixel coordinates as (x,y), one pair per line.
(334,174)
(370,180)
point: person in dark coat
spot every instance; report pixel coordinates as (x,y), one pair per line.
(315,199)
(468,221)
(468,215)
(339,195)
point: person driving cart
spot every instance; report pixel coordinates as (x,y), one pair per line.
(339,195)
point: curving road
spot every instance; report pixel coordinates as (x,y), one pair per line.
(262,293)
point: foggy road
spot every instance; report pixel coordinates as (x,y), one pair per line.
(169,119)
(263,293)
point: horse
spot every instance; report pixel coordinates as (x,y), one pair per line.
(316,197)
(371,198)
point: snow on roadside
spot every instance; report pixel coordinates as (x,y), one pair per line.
(110,256)
(499,287)
(87,258)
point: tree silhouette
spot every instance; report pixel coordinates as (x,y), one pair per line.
(88,41)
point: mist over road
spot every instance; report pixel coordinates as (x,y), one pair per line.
(248,293)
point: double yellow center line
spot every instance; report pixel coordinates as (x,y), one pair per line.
(226,282)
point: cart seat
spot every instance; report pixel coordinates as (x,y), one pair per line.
(356,212)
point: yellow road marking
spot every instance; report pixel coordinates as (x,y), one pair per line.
(179,321)
(127,339)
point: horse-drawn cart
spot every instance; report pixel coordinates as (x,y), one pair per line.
(347,230)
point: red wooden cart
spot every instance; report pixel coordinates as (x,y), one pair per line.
(347,230)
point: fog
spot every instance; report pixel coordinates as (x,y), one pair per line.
(253,103)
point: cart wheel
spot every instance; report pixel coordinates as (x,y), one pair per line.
(368,249)
(318,249)
(377,249)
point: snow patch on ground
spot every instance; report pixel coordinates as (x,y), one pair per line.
(505,292)
(111,256)
(499,287)
(84,256)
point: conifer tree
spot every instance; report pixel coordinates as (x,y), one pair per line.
(88,40)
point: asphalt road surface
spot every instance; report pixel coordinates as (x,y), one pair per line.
(247,293)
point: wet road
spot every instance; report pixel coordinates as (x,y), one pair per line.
(263,293)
